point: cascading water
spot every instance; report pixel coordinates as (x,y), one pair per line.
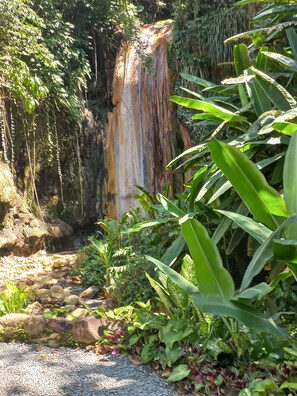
(141,135)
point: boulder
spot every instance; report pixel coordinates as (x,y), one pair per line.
(73,299)
(88,330)
(60,229)
(11,325)
(78,314)
(35,325)
(59,325)
(90,292)
(34,309)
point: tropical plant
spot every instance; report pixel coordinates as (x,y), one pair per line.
(13,299)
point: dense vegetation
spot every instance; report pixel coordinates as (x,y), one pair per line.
(222,308)
(206,283)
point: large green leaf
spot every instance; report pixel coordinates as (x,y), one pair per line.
(211,108)
(174,250)
(292,37)
(197,80)
(213,278)
(260,165)
(287,62)
(290,185)
(287,128)
(260,101)
(169,206)
(244,2)
(241,62)
(221,306)
(278,95)
(262,200)
(286,250)
(256,292)
(255,229)
(255,32)
(262,255)
(277,11)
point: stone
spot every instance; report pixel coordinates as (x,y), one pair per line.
(35,325)
(34,309)
(73,299)
(88,330)
(56,289)
(11,324)
(42,293)
(51,282)
(108,303)
(91,304)
(80,259)
(53,344)
(60,262)
(78,313)
(57,297)
(59,325)
(61,229)
(70,308)
(90,292)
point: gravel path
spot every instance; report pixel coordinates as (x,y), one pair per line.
(66,372)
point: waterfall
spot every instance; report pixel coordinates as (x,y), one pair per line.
(141,134)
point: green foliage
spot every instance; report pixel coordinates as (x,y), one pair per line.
(13,299)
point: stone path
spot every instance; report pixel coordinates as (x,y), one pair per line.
(44,368)
(60,311)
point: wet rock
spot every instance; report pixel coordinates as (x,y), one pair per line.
(73,299)
(90,292)
(88,330)
(35,325)
(59,325)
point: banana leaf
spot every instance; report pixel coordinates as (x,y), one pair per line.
(206,107)
(292,37)
(277,11)
(290,185)
(287,128)
(262,200)
(169,206)
(285,61)
(286,250)
(213,278)
(278,95)
(263,254)
(253,228)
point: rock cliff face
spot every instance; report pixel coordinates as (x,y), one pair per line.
(142,131)
(20,230)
